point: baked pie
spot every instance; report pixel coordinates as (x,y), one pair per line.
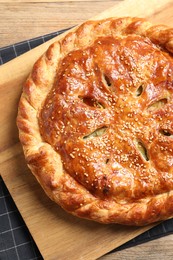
(95,121)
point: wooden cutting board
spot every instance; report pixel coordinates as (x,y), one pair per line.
(58,235)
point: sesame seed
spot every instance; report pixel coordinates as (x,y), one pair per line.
(72,155)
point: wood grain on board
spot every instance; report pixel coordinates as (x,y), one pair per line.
(58,234)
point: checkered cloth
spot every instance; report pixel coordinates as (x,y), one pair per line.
(15,240)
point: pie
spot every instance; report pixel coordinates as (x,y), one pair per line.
(95,121)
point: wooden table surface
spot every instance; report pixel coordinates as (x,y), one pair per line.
(21,20)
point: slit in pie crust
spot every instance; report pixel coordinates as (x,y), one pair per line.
(95,121)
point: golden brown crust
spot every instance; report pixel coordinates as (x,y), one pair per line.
(96,123)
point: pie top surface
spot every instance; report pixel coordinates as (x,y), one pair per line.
(96,123)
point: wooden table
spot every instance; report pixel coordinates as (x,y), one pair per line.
(20,20)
